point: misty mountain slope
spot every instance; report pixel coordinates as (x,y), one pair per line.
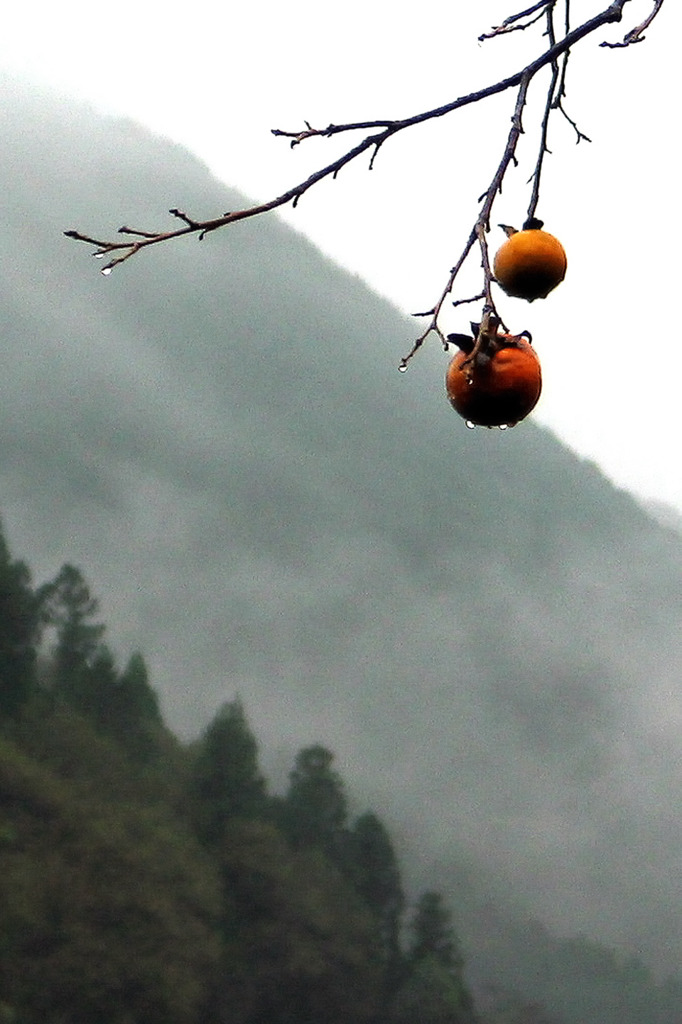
(218,436)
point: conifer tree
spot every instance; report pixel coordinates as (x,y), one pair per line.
(227,782)
(67,604)
(19,627)
(432,932)
(374,870)
(434,990)
(315,808)
(137,694)
(131,714)
(98,688)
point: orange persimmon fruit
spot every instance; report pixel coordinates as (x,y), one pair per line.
(495,388)
(531,263)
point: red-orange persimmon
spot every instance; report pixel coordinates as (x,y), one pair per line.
(500,385)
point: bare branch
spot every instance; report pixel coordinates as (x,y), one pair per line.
(331,129)
(549,105)
(555,55)
(613,13)
(478,231)
(635,34)
(511,24)
(181,215)
(560,94)
(579,136)
(133,231)
(473,298)
(435,313)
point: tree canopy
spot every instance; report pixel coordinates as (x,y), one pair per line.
(145,879)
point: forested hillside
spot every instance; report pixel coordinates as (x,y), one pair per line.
(143,880)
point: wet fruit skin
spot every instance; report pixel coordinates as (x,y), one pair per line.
(530,264)
(499,389)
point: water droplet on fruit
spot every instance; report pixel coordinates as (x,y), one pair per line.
(503,426)
(470,425)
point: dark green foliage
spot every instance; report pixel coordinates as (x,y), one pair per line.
(137,694)
(18,632)
(434,990)
(314,811)
(97,684)
(373,868)
(433,995)
(107,906)
(226,780)
(129,710)
(112,911)
(67,605)
(83,670)
(302,947)
(432,933)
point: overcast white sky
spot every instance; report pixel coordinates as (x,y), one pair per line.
(217,78)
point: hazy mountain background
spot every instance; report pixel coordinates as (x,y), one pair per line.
(480,626)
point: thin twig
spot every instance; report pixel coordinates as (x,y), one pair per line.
(561,91)
(473,298)
(331,129)
(635,34)
(505,29)
(479,229)
(543,149)
(435,312)
(560,95)
(510,24)
(579,135)
(133,231)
